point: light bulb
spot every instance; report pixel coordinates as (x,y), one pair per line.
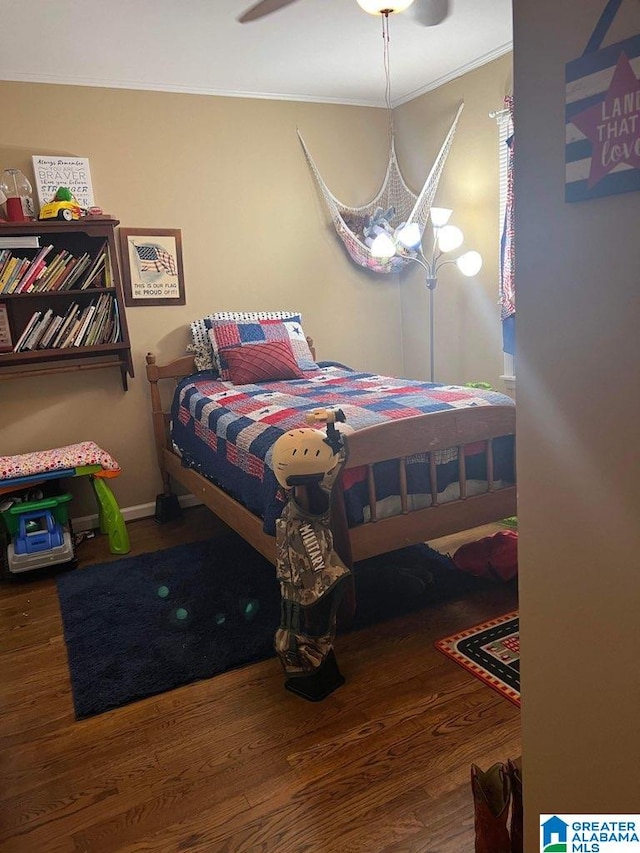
(449,238)
(383,247)
(378,7)
(409,235)
(440,216)
(470,263)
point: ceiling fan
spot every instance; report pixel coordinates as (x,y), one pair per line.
(428,13)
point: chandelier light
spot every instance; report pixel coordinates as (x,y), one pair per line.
(384,7)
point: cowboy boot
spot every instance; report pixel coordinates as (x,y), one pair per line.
(491,796)
(514,768)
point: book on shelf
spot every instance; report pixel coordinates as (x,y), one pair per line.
(6,344)
(34,284)
(34,269)
(5,257)
(64,271)
(54,270)
(54,325)
(27,330)
(28,276)
(68,332)
(68,318)
(17,271)
(38,330)
(98,322)
(108,272)
(36,336)
(105,320)
(75,328)
(103,311)
(7,270)
(79,271)
(85,321)
(115,330)
(26,241)
(67,269)
(21,270)
(96,269)
(14,271)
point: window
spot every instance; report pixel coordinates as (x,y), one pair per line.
(505,130)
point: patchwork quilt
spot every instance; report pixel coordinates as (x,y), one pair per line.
(226,431)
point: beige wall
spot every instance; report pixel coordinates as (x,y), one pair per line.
(231,174)
(579,410)
(467,336)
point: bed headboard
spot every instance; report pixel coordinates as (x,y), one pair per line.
(176,369)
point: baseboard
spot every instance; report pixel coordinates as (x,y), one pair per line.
(130,513)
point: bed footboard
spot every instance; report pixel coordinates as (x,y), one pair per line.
(426,434)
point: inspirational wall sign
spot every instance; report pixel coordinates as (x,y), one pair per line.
(70,172)
(602,115)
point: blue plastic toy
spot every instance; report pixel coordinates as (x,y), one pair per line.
(38,531)
(40,534)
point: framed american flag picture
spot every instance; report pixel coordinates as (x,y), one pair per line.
(152,271)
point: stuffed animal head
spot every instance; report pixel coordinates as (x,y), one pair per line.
(379,222)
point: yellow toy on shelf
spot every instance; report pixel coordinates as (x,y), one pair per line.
(62,206)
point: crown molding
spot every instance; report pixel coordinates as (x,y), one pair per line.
(485,59)
(137,85)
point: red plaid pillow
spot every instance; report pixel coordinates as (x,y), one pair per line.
(262,362)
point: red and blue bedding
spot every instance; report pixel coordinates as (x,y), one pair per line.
(226,431)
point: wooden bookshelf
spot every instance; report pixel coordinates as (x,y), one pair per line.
(78,283)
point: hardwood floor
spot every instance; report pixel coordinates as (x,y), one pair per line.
(236,763)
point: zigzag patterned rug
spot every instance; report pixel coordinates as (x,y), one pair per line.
(491,652)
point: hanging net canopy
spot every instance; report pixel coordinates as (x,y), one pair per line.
(394,205)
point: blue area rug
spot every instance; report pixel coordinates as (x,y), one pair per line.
(142,625)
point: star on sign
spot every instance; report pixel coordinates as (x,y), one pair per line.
(613,125)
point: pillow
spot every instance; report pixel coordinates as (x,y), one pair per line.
(200,330)
(300,345)
(262,362)
(225,334)
(201,357)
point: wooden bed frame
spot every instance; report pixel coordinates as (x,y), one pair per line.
(395,440)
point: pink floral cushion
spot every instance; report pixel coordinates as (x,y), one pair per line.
(57,459)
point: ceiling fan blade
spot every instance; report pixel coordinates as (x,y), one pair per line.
(429,13)
(264,7)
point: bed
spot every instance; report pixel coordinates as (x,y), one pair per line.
(416,470)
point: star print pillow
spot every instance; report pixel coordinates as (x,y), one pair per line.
(231,334)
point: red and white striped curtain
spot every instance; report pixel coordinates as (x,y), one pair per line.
(507,272)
